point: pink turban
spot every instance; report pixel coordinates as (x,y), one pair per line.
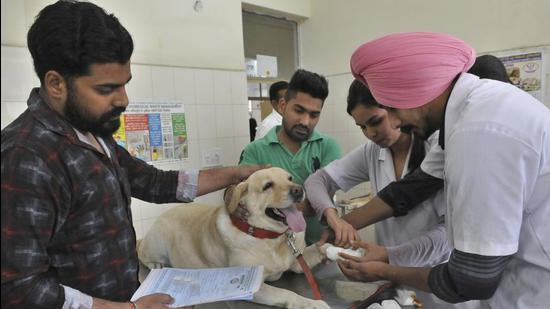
(408,70)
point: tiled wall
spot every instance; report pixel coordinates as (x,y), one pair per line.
(216,111)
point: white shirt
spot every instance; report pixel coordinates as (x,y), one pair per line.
(497,183)
(371,163)
(434,162)
(273,119)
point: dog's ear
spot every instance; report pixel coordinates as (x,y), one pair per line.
(239,191)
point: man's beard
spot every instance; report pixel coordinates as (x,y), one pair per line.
(295,136)
(424,134)
(103,126)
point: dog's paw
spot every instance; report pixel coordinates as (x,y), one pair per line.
(323,249)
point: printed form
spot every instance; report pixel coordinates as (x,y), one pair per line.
(198,286)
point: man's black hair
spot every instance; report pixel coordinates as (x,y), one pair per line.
(307,82)
(359,94)
(490,67)
(69,36)
(275,88)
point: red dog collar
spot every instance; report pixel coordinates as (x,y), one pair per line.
(252,230)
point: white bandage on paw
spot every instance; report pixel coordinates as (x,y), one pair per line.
(332,252)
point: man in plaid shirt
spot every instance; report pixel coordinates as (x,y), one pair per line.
(67,234)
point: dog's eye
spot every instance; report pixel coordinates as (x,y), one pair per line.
(290,178)
(268,185)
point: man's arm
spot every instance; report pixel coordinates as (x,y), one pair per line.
(373,211)
(396,199)
(465,277)
(158,186)
(218,178)
(410,191)
(248,158)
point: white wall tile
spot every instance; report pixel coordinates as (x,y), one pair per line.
(338,88)
(206,145)
(224,121)
(194,160)
(240,143)
(11,110)
(163,83)
(227,145)
(17,71)
(184,83)
(222,87)
(140,87)
(341,119)
(191,119)
(206,121)
(240,120)
(326,123)
(238,88)
(342,140)
(204,87)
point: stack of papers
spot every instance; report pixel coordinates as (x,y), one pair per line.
(198,286)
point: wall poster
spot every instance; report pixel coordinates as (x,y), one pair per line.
(154,132)
(527,69)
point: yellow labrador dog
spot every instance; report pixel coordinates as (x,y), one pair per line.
(199,236)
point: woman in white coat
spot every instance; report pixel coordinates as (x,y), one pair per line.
(418,239)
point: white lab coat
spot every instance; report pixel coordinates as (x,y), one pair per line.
(497,183)
(369,162)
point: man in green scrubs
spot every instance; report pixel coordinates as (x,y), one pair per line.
(295,145)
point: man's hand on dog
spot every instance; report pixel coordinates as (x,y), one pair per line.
(243,171)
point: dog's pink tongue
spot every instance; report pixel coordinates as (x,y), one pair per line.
(294,219)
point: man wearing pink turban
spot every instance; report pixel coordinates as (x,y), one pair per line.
(496,140)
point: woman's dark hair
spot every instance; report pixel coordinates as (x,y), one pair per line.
(307,82)
(69,36)
(359,94)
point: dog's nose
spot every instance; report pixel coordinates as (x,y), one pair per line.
(296,192)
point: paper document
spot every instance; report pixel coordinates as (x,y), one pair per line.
(197,286)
